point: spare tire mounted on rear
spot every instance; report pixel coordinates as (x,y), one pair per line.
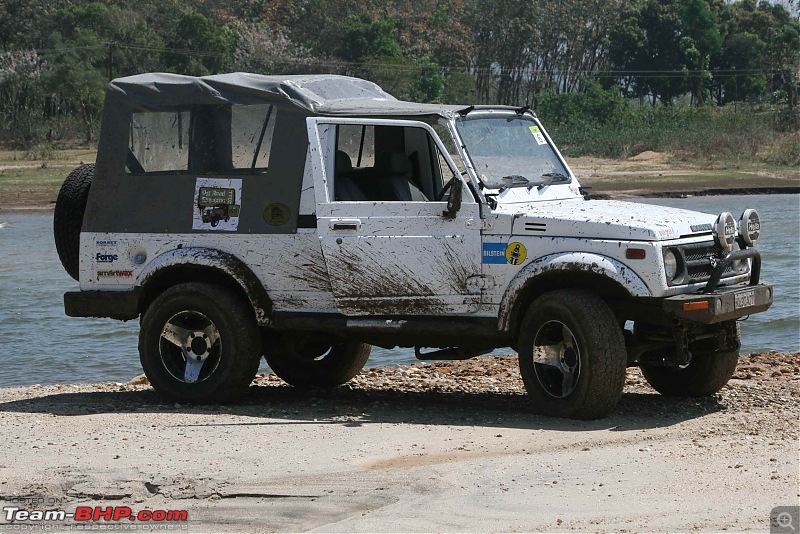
(68,216)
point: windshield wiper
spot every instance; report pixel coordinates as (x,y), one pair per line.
(552,177)
(515,180)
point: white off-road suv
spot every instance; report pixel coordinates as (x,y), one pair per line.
(306,218)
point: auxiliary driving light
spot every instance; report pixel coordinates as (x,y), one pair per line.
(750,227)
(725,230)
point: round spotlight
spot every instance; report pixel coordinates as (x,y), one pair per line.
(725,230)
(750,227)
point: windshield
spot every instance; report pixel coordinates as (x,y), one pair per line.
(510,151)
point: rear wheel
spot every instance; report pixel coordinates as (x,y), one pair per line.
(572,355)
(312,363)
(199,343)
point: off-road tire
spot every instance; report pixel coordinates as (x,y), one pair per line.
(705,374)
(239,336)
(68,216)
(601,354)
(301,366)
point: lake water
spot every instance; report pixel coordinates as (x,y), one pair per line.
(40,345)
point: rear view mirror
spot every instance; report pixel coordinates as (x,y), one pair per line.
(454,200)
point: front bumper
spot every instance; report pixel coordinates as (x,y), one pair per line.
(721,304)
(123,305)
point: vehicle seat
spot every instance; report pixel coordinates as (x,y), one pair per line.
(397,170)
(344,186)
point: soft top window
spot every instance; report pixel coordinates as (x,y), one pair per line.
(208,139)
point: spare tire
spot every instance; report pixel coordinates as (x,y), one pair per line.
(68,216)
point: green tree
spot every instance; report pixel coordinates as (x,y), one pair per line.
(133,46)
(701,39)
(76,75)
(199,47)
(367,37)
(21,96)
(428,83)
(459,88)
(654,44)
(760,52)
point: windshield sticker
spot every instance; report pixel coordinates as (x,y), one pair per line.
(537,134)
(217,203)
(494,253)
(276,214)
(516,253)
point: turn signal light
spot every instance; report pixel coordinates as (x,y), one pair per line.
(634,253)
(691,306)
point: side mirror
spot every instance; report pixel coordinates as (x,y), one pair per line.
(454,200)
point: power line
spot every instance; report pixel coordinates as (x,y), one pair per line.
(520,73)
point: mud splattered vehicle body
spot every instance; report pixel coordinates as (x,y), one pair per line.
(306,218)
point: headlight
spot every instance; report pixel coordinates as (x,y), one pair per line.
(750,227)
(670,264)
(725,231)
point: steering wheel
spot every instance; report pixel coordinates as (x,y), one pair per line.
(446,187)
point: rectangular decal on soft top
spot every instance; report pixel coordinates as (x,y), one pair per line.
(217,203)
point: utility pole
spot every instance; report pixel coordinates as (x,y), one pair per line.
(110,46)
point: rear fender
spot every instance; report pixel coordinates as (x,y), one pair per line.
(221,266)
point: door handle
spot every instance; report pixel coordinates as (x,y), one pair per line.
(352,225)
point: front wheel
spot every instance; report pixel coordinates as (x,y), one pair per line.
(572,355)
(321,364)
(199,343)
(705,374)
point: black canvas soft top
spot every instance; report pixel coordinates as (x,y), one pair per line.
(319,94)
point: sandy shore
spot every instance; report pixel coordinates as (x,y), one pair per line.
(427,447)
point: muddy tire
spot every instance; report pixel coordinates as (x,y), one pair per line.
(199,343)
(68,216)
(572,355)
(318,364)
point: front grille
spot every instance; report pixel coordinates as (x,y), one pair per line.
(700,259)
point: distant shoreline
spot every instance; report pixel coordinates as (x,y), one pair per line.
(781,190)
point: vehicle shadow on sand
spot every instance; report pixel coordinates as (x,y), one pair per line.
(276,405)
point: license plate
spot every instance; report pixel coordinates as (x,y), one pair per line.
(744,299)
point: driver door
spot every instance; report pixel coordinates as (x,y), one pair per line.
(388,248)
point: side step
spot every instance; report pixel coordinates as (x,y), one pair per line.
(450,353)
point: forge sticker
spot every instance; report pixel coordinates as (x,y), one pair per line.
(537,134)
(277,214)
(217,203)
(516,253)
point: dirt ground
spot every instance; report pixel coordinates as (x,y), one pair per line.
(427,447)
(659,174)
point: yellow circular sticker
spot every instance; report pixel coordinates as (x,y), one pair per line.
(276,214)
(516,253)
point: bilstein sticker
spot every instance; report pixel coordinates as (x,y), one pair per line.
(537,134)
(217,203)
(276,214)
(494,253)
(501,254)
(516,253)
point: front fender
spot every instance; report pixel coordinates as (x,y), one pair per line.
(216,260)
(572,261)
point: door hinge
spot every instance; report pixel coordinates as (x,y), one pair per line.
(481,224)
(480,282)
